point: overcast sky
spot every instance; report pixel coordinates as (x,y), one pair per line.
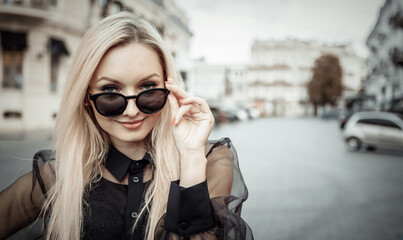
(224,30)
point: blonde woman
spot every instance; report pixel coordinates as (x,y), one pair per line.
(126,165)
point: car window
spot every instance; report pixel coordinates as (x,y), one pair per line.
(369,122)
(379,122)
(363,121)
(389,124)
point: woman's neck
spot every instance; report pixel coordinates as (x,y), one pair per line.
(133,150)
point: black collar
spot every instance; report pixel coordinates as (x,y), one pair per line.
(118,164)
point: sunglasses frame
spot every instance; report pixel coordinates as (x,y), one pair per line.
(93,98)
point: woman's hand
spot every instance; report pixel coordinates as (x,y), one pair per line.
(192,123)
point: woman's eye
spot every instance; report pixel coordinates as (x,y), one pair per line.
(109,88)
(146,86)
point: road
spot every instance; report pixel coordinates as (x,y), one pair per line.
(303,183)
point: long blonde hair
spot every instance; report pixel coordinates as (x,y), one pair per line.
(81,145)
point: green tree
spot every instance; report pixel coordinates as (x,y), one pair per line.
(325,86)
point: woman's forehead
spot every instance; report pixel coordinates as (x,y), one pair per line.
(132,61)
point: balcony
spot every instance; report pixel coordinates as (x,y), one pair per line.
(33,9)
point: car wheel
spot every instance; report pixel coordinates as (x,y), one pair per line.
(371,148)
(353,144)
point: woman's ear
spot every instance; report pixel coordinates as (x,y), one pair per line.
(87,98)
(87,101)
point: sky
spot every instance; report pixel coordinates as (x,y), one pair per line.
(224,30)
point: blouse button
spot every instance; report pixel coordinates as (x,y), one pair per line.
(184,225)
(136,179)
(134,215)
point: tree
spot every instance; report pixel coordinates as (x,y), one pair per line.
(325,86)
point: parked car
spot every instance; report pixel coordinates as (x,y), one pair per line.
(344,117)
(374,129)
(219,116)
(230,115)
(253,113)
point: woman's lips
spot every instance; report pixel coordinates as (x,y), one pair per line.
(132,124)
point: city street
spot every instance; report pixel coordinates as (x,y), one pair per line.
(303,183)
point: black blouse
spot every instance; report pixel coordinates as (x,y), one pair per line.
(112,208)
(115,206)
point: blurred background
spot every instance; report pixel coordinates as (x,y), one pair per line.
(309,91)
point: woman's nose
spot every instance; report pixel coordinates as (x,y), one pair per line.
(131,109)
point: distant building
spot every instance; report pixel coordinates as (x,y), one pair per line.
(223,86)
(280,71)
(385,61)
(39,37)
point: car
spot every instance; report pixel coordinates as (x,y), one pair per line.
(219,116)
(253,113)
(230,115)
(343,119)
(374,129)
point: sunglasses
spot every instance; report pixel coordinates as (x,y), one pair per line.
(112,104)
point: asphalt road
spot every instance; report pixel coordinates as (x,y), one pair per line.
(303,183)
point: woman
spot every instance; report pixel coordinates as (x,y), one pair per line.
(127,165)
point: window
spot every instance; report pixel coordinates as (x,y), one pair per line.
(364,121)
(12,69)
(389,124)
(379,122)
(12,115)
(10,2)
(53,2)
(13,45)
(57,49)
(183,75)
(54,71)
(39,3)
(375,122)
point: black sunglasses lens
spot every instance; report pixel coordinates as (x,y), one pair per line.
(110,105)
(152,101)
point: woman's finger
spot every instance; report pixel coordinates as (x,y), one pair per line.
(177,91)
(181,112)
(199,101)
(173,103)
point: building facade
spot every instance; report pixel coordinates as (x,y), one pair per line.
(223,86)
(385,61)
(280,71)
(38,39)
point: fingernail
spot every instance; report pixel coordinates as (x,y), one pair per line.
(173,121)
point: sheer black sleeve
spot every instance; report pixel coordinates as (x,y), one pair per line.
(22,201)
(226,193)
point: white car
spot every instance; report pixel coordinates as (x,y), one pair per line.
(374,129)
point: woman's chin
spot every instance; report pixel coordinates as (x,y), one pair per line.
(129,137)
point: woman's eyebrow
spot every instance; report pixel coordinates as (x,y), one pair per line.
(117,81)
(108,79)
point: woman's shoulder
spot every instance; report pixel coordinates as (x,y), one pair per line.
(220,166)
(44,156)
(223,172)
(43,169)
(218,146)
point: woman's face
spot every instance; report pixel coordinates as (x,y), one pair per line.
(129,70)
